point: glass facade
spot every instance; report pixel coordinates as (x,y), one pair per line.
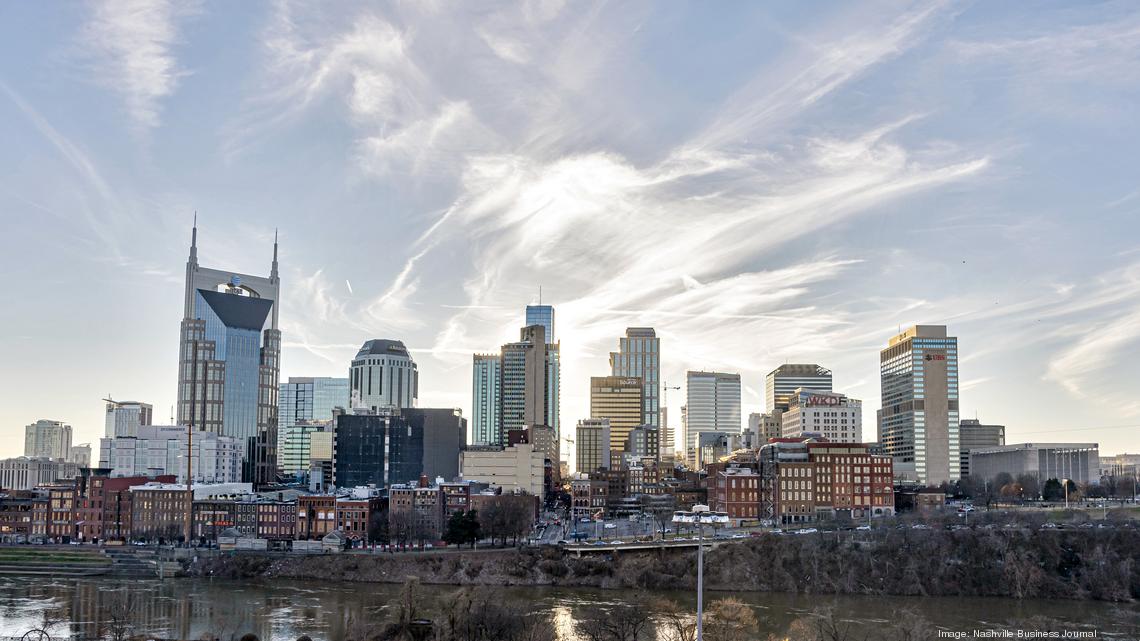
(542,315)
(240,349)
(305,405)
(639,356)
(485,392)
(378,450)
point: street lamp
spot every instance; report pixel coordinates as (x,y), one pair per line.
(700,515)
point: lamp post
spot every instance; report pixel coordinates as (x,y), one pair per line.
(1065,484)
(700,515)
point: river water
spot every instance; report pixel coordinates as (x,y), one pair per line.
(284,610)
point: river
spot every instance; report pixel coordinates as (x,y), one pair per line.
(282,611)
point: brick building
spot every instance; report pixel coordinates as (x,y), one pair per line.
(316,516)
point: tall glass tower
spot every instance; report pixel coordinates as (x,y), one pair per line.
(639,355)
(305,406)
(485,399)
(918,422)
(542,315)
(229,360)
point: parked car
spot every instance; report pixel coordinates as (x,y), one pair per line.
(863,528)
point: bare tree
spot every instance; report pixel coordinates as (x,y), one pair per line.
(730,619)
(677,624)
(625,623)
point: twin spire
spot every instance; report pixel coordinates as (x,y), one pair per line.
(194,248)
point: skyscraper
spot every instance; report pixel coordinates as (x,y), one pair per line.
(918,424)
(124,418)
(528,382)
(617,398)
(383,374)
(229,359)
(305,405)
(542,315)
(485,399)
(781,383)
(836,417)
(639,354)
(712,404)
(48,439)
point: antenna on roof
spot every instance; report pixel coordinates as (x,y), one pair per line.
(540,294)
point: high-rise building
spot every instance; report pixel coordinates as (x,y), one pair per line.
(643,441)
(383,375)
(378,449)
(161,449)
(639,355)
(229,360)
(48,439)
(80,455)
(485,399)
(305,405)
(918,423)
(782,382)
(125,417)
(712,404)
(617,398)
(835,417)
(445,433)
(528,382)
(542,315)
(973,435)
(592,445)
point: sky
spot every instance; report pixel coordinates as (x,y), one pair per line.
(761,184)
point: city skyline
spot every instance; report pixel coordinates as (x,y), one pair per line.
(786,215)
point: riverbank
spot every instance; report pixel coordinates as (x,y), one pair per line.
(1092,564)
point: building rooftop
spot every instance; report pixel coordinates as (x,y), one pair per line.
(379,346)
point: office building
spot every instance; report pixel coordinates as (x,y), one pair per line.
(1078,462)
(973,435)
(639,356)
(529,382)
(765,426)
(383,375)
(25,473)
(305,405)
(781,383)
(712,404)
(80,455)
(47,439)
(833,416)
(486,373)
(516,468)
(125,417)
(161,450)
(918,422)
(542,315)
(643,441)
(229,360)
(617,398)
(377,449)
(445,433)
(592,445)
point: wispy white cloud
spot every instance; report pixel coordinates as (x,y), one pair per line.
(129,44)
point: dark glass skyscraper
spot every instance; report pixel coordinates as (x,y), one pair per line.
(542,315)
(377,449)
(229,360)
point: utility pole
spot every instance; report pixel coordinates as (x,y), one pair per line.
(188,526)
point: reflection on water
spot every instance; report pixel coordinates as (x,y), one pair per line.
(282,611)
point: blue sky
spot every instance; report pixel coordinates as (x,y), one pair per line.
(761,185)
